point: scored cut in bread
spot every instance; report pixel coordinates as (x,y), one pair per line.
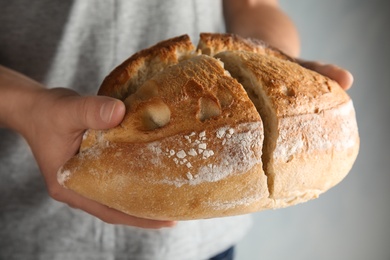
(230,128)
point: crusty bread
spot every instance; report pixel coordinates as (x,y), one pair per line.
(311,137)
(192,144)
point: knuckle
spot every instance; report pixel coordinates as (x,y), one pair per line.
(82,110)
(87,111)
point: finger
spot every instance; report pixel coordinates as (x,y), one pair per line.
(343,77)
(113,216)
(105,213)
(95,112)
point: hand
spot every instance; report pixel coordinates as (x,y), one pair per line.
(54,125)
(58,121)
(343,77)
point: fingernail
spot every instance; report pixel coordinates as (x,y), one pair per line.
(107,110)
(169,224)
(173,223)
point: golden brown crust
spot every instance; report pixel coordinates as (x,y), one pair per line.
(192,144)
(128,76)
(314,152)
(202,79)
(174,178)
(292,89)
(193,166)
(214,43)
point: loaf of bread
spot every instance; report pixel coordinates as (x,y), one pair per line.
(230,127)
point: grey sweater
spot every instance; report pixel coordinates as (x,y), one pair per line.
(75,44)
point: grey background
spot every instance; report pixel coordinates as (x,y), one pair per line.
(352,220)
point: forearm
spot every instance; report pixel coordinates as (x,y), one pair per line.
(262,19)
(17,94)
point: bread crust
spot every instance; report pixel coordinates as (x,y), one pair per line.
(193,145)
(125,79)
(314,152)
(214,43)
(165,180)
(186,169)
(313,138)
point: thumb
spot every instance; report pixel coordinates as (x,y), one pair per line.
(97,112)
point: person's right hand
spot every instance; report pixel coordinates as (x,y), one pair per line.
(53,122)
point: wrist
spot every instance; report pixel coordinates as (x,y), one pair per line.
(17,97)
(263,20)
